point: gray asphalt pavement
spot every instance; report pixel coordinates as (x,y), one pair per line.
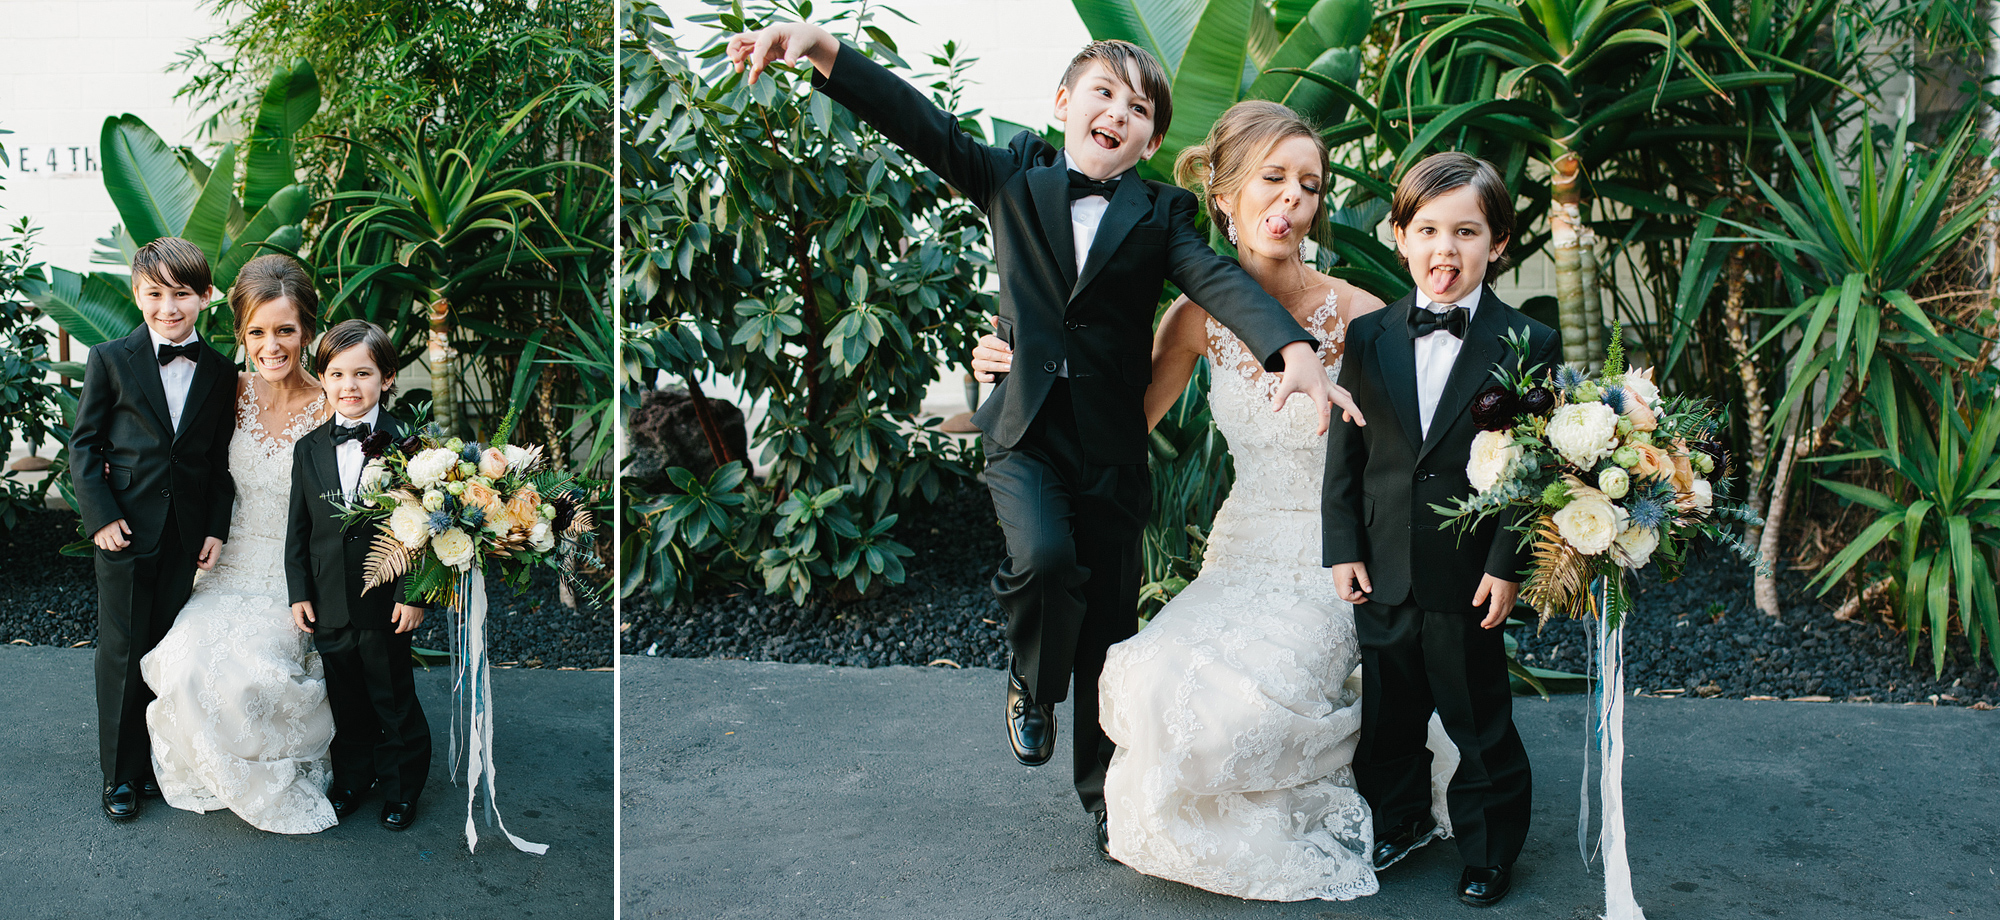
(755,790)
(62,858)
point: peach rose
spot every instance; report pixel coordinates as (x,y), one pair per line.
(483,497)
(492,463)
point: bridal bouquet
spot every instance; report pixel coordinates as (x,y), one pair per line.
(446,507)
(1607,472)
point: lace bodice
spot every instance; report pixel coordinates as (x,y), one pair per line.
(261,463)
(1280,459)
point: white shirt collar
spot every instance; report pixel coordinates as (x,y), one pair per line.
(159,340)
(1470,303)
(369,419)
(1062,162)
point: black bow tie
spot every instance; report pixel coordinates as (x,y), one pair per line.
(169,352)
(343,433)
(1082,186)
(1424,322)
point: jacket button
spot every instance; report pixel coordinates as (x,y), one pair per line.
(166,493)
(1049,366)
(1423,475)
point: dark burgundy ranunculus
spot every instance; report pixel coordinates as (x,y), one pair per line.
(1495,408)
(565,513)
(410,445)
(375,444)
(1538,401)
(1718,453)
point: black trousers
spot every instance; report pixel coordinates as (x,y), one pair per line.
(138,597)
(1070,582)
(1414,661)
(379,731)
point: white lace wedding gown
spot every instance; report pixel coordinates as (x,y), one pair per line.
(1237,709)
(242,720)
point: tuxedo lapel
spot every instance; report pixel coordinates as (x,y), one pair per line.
(1396,354)
(1129,203)
(142,363)
(1049,186)
(1482,349)
(208,368)
(322,468)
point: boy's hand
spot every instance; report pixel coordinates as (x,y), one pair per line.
(211,553)
(1350,581)
(992,355)
(112,537)
(786,41)
(407,618)
(1304,374)
(302,616)
(1497,595)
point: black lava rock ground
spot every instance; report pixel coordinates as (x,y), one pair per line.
(47,598)
(1699,635)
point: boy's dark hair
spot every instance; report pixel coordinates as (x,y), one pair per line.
(270,277)
(1449,171)
(358,332)
(171,260)
(1122,58)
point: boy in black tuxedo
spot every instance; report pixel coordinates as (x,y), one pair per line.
(1433,642)
(149,458)
(380,735)
(1083,246)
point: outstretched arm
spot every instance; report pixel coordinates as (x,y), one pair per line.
(1343,534)
(786,42)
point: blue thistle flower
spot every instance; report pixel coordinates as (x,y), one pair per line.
(451,503)
(440,522)
(471,452)
(1645,511)
(1568,377)
(1615,398)
(475,518)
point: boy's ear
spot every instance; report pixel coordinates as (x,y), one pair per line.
(1499,249)
(1062,105)
(1153,146)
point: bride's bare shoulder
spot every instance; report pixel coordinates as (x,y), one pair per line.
(1353,302)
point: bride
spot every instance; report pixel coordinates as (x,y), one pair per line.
(241,720)
(1237,710)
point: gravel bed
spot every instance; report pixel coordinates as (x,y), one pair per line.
(1699,635)
(47,598)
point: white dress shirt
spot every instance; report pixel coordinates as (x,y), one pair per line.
(348,453)
(1436,353)
(1084,216)
(175,376)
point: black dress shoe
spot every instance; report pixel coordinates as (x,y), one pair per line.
(1484,886)
(1031,727)
(1103,836)
(121,802)
(344,801)
(150,787)
(1399,842)
(398,816)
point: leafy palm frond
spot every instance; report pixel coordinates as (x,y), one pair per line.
(387,560)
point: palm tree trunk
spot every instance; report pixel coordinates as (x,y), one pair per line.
(1736,323)
(441,357)
(1593,297)
(1766,583)
(1566,236)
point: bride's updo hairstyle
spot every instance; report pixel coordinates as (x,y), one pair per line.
(1236,144)
(267,278)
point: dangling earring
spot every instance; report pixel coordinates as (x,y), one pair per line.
(1232,230)
(1302,249)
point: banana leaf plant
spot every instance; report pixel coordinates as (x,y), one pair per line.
(445,227)
(1944,521)
(163,191)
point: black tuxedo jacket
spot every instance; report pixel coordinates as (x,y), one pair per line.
(323,559)
(1099,319)
(122,422)
(1381,480)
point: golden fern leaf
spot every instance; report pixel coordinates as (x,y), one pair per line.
(1556,582)
(388,559)
(580,523)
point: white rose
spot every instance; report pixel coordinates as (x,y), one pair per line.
(541,537)
(373,474)
(1614,482)
(410,525)
(454,548)
(1584,433)
(1700,496)
(1590,522)
(1640,383)
(1635,546)
(430,467)
(1492,453)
